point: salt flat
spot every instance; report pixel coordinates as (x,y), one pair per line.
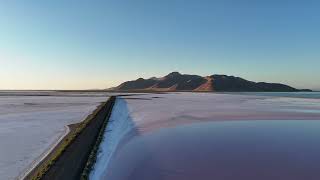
(30,123)
(144,129)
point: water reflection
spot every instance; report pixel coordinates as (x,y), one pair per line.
(229,150)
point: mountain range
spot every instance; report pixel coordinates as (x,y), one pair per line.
(214,83)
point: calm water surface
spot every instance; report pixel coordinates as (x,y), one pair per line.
(230,150)
(309,95)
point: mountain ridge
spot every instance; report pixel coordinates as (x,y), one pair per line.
(176,81)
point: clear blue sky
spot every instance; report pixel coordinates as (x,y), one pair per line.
(76,44)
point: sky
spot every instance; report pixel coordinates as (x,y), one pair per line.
(77,44)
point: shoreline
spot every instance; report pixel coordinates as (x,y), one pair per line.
(46,156)
(35,163)
(69,157)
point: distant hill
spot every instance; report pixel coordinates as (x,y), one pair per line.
(214,83)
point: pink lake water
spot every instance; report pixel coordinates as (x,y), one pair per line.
(242,150)
(211,136)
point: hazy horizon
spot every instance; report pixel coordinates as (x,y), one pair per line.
(75,45)
(88,89)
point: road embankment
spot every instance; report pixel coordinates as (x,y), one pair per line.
(69,158)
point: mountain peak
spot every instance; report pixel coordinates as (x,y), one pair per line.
(173,74)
